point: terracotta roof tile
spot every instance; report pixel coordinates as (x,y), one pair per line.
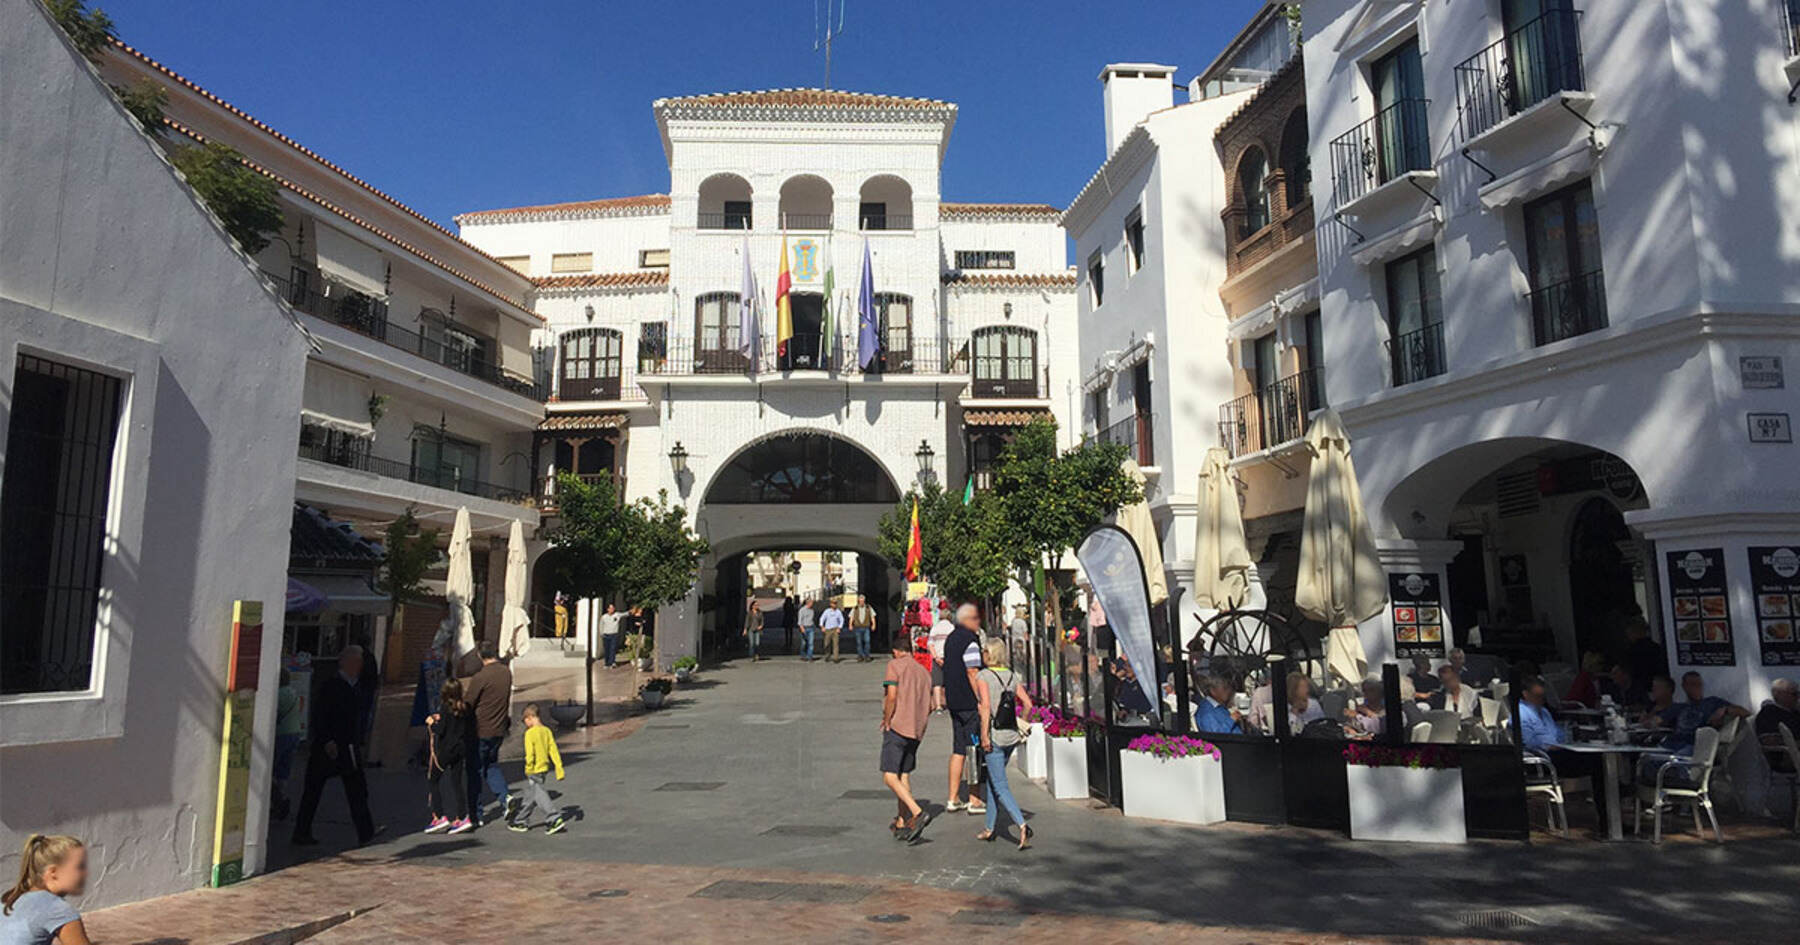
(1002,418)
(605,280)
(603,207)
(569,422)
(1012,280)
(966,210)
(801,98)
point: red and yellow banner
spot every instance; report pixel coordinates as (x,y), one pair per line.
(784,310)
(243,666)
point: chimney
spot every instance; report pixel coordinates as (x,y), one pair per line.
(1132,91)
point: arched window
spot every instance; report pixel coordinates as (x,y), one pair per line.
(716,334)
(885,203)
(806,203)
(1253,169)
(1296,162)
(724,203)
(1006,362)
(894,320)
(590,364)
(802,468)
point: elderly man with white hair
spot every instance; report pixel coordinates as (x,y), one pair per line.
(1783,708)
(961,685)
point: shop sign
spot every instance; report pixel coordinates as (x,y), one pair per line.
(1699,601)
(1417,606)
(1775,577)
(1770,428)
(1761,373)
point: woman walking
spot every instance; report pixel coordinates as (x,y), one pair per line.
(1003,704)
(449,738)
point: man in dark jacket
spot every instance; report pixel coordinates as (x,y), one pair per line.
(489,695)
(336,737)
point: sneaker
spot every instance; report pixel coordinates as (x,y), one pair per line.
(556,825)
(516,827)
(438,825)
(511,806)
(954,806)
(462,826)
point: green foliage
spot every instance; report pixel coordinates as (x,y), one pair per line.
(91,31)
(248,203)
(663,553)
(145,100)
(966,547)
(642,553)
(1048,501)
(686,662)
(410,553)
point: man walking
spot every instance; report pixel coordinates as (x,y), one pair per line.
(808,621)
(337,751)
(831,623)
(905,709)
(753,627)
(862,623)
(961,668)
(609,634)
(489,695)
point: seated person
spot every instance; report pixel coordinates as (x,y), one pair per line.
(1537,729)
(1368,717)
(1584,690)
(1302,707)
(1629,693)
(1455,696)
(1127,694)
(1424,678)
(1459,661)
(1701,710)
(1783,708)
(1661,699)
(1215,714)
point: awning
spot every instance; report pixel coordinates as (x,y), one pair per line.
(345,259)
(582,422)
(1001,418)
(346,594)
(336,400)
(303,598)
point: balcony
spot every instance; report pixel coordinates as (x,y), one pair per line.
(806,221)
(1273,415)
(728,220)
(367,315)
(547,495)
(1388,146)
(358,458)
(1026,387)
(1133,433)
(1569,308)
(1417,355)
(1527,66)
(807,352)
(877,222)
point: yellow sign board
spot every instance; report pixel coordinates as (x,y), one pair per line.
(243,665)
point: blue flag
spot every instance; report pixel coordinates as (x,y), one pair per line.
(868,335)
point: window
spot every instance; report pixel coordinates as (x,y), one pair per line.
(1134,241)
(1415,318)
(445,461)
(1096,278)
(334,446)
(653,259)
(1401,143)
(1253,190)
(53,523)
(1102,411)
(452,345)
(872,215)
(1315,361)
(984,259)
(737,215)
(1296,163)
(802,468)
(893,318)
(572,262)
(653,346)
(519,264)
(984,450)
(1005,362)
(716,333)
(1145,420)
(1562,243)
(590,364)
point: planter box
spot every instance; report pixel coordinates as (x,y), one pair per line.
(1421,805)
(1189,790)
(1034,754)
(1065,773)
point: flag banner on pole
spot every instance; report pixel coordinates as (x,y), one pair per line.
(748,322)
(969,489)
(828,334)
(784,310)
(915,546)
(868,337)
(1112,564)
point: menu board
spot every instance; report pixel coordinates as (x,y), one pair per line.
(1418,610)
(1775,577)
(1700,605)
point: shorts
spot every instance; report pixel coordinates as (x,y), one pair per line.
(899,754)
(965,728)
(937,673)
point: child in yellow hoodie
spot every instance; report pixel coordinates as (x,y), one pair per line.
(540,756)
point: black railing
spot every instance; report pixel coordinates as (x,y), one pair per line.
(1417,355)
(547,492)
(1272,415)
(1569,308)
(1030,387)
(367,315)
(1790,26)
(805,221)
(1525,67)
(1394,142)
(813,352)
(723,221)
(891,221)
(445,477)
(1133,433)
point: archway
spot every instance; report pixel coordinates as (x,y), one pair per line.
(725,203)
(806,203)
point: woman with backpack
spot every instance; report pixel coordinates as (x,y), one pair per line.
(1006,703)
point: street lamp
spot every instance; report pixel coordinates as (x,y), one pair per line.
(678,458)
(924,456)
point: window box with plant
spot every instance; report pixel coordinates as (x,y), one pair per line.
(1172,777)
(1065,772)
(1405,793)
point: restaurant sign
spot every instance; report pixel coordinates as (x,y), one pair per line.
(1417,607)
(1699,602)
(1775,577)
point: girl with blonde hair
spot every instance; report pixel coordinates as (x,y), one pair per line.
(32,912)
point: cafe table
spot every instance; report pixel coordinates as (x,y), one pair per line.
(1610,756)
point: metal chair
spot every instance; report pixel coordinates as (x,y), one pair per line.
(1696,770)
(1792,750)
(1445,724)
(1732,733)
(1541,779)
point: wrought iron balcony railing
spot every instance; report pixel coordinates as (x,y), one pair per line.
(809,352)
(443,477)
(723,221)
(1394,142)
(1135,434)
(1569,308)
(1271,415)
(1417,355)
(1527,66)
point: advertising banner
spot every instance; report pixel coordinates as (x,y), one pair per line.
(1700,608)
(1417,605)
(242,668)
(1775,579)
(1110,559)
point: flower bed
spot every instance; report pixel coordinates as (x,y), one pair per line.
(1375,755)
(1172,777)
(1173,746)
(1065,738)
(1405,792)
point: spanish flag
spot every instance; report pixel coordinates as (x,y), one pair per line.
(784,309)
(915,547)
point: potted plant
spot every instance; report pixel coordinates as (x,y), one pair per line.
(655,690)
(1065,771)
(1172,777)
(1405,792)
(685,667)
(1034,757)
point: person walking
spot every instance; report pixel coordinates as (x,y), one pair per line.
(33,912)
(807,620)
(287,740)
(753,628)
(862,624)
(489,695)
(905,710)
(337,751)
(960,667)
(562,621)
(831,623)
(609,634)
(1003,702)
(448,740)
(790,613)
(540,756)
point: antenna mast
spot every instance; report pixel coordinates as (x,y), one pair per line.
(833,26)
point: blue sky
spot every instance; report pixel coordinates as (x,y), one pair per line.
(454,105)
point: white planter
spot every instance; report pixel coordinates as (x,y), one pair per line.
(1066,772)
(1190,790)
(1034,754)
(1421,805)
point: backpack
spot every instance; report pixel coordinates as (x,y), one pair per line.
(1006,708)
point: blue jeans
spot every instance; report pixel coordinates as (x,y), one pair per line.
(806,643)
(609,647)
(862,642)
(485,766)
(998,792)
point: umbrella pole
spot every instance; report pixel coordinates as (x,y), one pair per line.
(590,666)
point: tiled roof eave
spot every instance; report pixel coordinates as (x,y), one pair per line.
(644,205)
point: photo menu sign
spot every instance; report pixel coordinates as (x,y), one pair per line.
(1699,602)
(1418,610)
(1775,577)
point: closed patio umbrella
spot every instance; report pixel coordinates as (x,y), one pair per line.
(1136,521)
(458,627)
(1340,579)
(1221,555)
(515,622)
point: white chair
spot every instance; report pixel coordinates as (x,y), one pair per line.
(1732,733)
(1793,773)
(1695,771)
(1501,689)
(1445,724)
(1541,779)
(1420,733)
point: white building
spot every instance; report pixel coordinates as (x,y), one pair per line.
(641,297)
(146,367)
(1558,267)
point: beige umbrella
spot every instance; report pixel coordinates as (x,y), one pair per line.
(515,623)
(1340,580)
(1221,556)
(458,626)
(1136,521)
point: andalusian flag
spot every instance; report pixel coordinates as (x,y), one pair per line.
(784,309)
(827,335)
(969,489)
(915,546)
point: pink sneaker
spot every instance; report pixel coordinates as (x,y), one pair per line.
(438,825)
(462,826)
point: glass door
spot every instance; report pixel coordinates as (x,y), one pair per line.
(1399,81)
(1542,50)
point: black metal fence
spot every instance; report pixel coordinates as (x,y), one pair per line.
(723,221)
(886,221)
(1790,26)
(1527,66)
(811,351)
(1395,141)
(805,221)
(1569,308)
(442,477)
(1417,355)
(1271,415)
